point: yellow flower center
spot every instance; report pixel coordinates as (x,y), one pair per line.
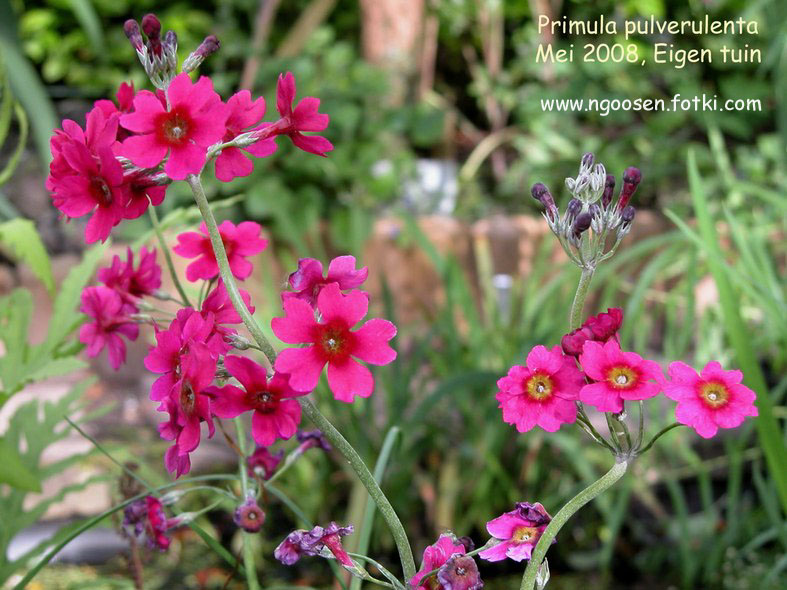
(524,534)
(539,386)
(621,377)
(714,394)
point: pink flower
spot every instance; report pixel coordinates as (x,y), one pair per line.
(125,98)
(543,393)
(264,463)
(333,343)
(239,242)
(145,519)
(219,304)
(143,191)
(303,118)
(601,327)
(618,376)
(519,531)
(711,400)
(434,557)
(275,414)
(460,573)
(243,113)
(307,281)
(110,322)
(301,542)
(194,121)
(131,283)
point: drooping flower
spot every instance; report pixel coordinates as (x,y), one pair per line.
(264,463)
(601,327)
(239,241)
(110,322)
(333,342)
(243,114)
(301,542)
(219,304)
(308,281)
(618,376)
(146,521)
(125,98)
(249,516)
(194,121)
(304,117)
(144,190)
(435,556)
(518,530)
(543,393)
(713,399)
(311,439)
(460,573)
(275,415)
(131,283)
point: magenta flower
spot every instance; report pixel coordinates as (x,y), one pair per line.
(194,121)
(299,543)
(460,573)
(434,557)
(711,400)
(145,519)
(307,281)
(240,242)
(125,98)
(143,191)
(332,342)
(264,463)
(618,376)
(601,327)
(249,516)
(131,283)
(219,304)
(543,393)
(110,322)
(275,414)
(304,117)
(243,113)
(518,531)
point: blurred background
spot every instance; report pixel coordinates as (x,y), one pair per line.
(439,133)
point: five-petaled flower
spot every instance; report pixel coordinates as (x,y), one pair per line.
(435,556)
(617,376)
(333,342)
(460,572)
(713,399)
(543,393)
(304,117)
(518,530)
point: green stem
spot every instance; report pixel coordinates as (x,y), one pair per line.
(368,481)
(575,320)
(573,505)
(167,256)
(224,268)
(659,434)
(248,549)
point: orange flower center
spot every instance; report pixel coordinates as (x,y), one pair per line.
(621,377)
(714,394)
(539,386)
(524,534)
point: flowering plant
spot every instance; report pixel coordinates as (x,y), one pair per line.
(121,165)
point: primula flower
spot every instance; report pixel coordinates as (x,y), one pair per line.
(125,98)
(219,304)
(145,520)
(618,376)
(275,414)
(249,516)
(264,463)
(304,117)
(194,121)
(131,283)
(332,342)
(711,400)
(601,327)
(243,113)
(307,281)
(543,393)
(436,556)
(240,242)
(110,322)
(301,542)
(460,573)
(518,531)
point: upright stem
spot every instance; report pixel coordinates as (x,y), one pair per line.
(248,549)
(577,502)
(575,321)
(311,411)
(167,256)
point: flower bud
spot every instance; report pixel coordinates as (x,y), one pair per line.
(581,223)
(587,160)
(131,28)
(594,210)
(609,188)
(208,47)
(631,179)
(467,543)
(249,516)
(541,194)
(627,215)
(573,208)
(151,26)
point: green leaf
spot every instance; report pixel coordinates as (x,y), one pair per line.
(20,238)
(13,470)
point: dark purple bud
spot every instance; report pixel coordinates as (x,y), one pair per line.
(467,542)
(609,188)
(249,516)
(588,159)
(131,28)
(574,207)
(171,40)
(581,223)
(541,194)
(631,179)
(460,573)
(594,210)
(151,26)
(209,46)
(627,215)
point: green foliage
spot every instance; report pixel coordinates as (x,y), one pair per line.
(20,238)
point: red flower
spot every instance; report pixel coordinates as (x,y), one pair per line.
(304,117)
(131,283)
(110,322)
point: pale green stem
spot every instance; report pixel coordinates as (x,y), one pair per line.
(311,411)
(248,549)
(167,256)
(575,320)
(589,493)
(659,434)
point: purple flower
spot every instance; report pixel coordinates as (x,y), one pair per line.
(249,516)
(301,542)
(460,573)
(311,439)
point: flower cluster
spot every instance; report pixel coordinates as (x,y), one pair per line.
(455,569)
(146,521)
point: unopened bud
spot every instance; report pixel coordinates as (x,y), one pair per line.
(541,193)
(467,542)
(609,188)
(131,28)
(627,215)
(239,342)
(249,516)
(151,26)
(631,179)
(587,160)
(573,208)
(208,47)
(582,223)
(171,497)
(594,210)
